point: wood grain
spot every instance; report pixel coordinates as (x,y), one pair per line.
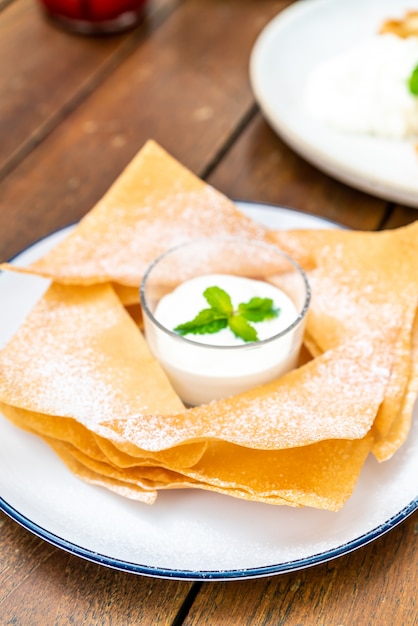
(34,56)
(44,586)
(364,588)
(401,216)
(199,58)
(260,166)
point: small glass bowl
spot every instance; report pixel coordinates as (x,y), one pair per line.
(202,372)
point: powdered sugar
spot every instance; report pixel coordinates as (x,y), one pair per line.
(336,398)
(192,533)
(120,249)
(66,360)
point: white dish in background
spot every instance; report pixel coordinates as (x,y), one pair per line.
(295,42)
(187,534)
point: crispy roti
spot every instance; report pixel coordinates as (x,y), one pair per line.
(78,373)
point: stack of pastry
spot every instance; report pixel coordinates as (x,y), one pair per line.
(79,374)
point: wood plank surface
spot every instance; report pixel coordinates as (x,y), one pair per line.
(34,56)
(363,588)
(199,58)
(75,591)
(402,216)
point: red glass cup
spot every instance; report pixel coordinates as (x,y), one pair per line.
(95,17)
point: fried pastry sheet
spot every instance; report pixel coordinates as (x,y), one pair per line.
(364,284)
(275,444)
(79,356)
(79,373)
(322,475)
(155,204)
(388,442)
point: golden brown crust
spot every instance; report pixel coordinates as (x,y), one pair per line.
(404,27)
(79,374)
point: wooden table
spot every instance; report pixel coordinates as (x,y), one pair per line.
(73,111)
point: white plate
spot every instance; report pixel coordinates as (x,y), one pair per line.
(288,49)
(187,534)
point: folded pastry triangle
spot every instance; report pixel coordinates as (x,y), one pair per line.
(80,356)
(79,373)
(155,204)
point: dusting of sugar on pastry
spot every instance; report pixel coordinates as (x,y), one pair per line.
(155,204)
(79,350)
(338,397)
(79,354)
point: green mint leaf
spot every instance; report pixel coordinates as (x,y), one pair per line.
(258,309)
(221,314)
(242,329)
(206,321)
(219,300)
(413,82)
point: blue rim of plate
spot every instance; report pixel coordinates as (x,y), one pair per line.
(208,575)
(195,575)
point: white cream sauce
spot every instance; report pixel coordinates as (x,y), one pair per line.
(365,89)
(201,372)
(185,302)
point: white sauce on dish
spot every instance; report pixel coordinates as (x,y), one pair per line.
(185,302)
(208,367)
(365,89)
